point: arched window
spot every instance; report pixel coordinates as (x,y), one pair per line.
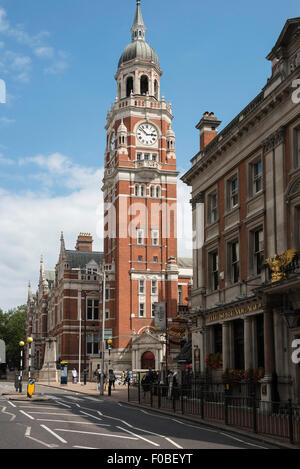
(143,190)
(144,84)
(155,89)
(151,191)
(158,191)
(136,190)
(129,86)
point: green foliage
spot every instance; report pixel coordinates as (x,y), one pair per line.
(12,331)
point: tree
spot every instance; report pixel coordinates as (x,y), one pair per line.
(12,331)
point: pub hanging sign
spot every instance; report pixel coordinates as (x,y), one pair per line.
(233,313)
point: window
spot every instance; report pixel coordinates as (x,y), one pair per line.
(155,237)
(154,157)
(212,207)
(92,344)
(140,236)
(140,258)
(136,190)
(92,309)
(144,84)
(146,157)
(141,287)
(218,338)
(256,176)
(143,190)
(151,191)
(155,259)
(234,270)
(214,270)
(158,191)
(107,294)
(154,287)
(180,294)
(233,192)
(142,310)
(153,310)
(258,239)
(139,156)
(129,86)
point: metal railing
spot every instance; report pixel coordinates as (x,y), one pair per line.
(275,419)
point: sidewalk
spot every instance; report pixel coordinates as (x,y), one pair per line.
(120,393)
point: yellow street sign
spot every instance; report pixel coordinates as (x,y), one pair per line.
(30,387)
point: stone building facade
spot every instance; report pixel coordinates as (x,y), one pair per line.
(246,203)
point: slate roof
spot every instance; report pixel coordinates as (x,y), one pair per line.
(77,259)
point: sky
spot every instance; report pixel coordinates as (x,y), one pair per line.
(58,60)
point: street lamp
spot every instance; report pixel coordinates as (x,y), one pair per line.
(29,341)
(103,330)
(21,344)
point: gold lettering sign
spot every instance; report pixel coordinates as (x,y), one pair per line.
(233,313)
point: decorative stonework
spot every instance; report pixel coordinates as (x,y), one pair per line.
(275,139)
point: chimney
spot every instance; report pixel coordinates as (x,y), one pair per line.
(208,127)
(84,242)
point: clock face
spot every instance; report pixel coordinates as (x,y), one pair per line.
(147,134)
(112,142)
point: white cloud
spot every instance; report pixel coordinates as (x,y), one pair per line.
(20,65)
(31,224)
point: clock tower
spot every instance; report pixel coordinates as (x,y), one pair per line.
(139,189)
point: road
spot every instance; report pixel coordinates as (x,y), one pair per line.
(69,420)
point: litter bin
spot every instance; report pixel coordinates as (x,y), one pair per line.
(64,373)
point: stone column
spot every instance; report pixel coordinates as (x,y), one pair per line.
(269,352)
(269,343)
(248,343)
(225,345)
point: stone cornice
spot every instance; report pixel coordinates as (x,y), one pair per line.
(257,110)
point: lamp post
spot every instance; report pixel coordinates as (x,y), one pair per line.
(29,341)
(103,332)
(21,344)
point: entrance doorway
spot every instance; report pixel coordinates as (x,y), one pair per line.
(148,361)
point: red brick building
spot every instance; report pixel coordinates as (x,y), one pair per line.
(140,258)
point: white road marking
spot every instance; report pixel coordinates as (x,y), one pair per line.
(13,416)
(139,436)
(173,443)
(61,403)
(54,434)
(94,433)
(13,405)
(27,435)
(241,441)
(27,415)
(89,415)
(83,447)
(50,413)
(79,423)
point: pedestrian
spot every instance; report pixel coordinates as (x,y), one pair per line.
(128,376)
(111,381)
(170,383)
(175,389)
(123,378)
(146,383)
(74,376)
(97,375)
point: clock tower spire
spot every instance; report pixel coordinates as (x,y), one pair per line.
(139,189)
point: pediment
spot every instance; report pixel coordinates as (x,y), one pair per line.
(146,338)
